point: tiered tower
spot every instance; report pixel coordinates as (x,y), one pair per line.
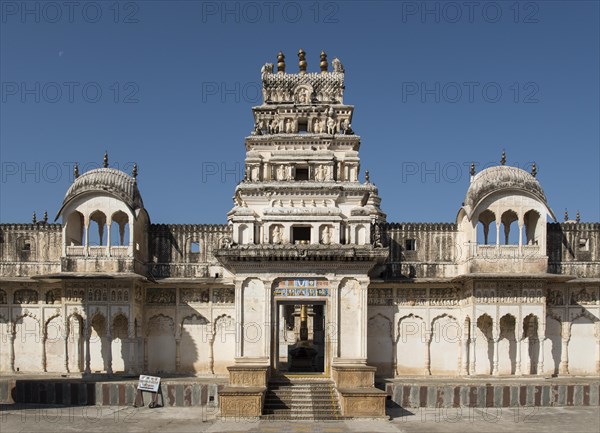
(302,164)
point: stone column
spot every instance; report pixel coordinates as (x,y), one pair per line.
(473,359)
(395,356)
(86,229)
(109,223)
(211,352)
(428,335)
(43,349)
(145,354)
(540,366)
(518,363)
(177,353)
(563,367)
(496,340)
(109,340)
(88,361)
(464,354)
(11,351)
(66,347)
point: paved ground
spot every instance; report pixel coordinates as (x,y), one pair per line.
(90,419)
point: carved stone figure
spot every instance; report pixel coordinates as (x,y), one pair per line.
(330,125)
(277,235)
(326,236)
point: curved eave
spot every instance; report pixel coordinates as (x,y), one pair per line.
(82,193)
(472,209)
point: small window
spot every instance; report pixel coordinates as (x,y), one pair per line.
(301,173)
(302,126)
(27,247)
(411,245)
(301,235)
(584,244)
(195,247)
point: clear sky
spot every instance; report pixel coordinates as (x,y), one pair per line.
(170,85)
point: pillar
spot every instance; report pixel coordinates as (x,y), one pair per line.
(43,350)
(464,354)
(473,359)
(428,335)
(11,351)
(88,360)
(177,353)
(109,340)
(563,367)
(496,340)
(145,354)
(518,371)
(211,352)
(66,347)
(109,223)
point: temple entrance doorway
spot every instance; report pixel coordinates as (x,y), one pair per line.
(300,341)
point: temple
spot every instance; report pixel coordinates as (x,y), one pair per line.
(307,280)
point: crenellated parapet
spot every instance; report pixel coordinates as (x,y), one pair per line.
(574,249)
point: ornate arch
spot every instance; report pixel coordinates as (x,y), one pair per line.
(161,316)
(25,314)
(389,321)
(408,316)
(217,320)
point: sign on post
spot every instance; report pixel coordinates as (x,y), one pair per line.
(148,384)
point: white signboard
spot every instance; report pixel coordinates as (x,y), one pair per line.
(149,383)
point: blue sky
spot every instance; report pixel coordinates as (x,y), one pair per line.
(170,85)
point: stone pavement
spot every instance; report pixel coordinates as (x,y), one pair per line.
(91,419)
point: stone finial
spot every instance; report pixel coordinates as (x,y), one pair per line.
(566,215)
(134,172)
(76,170)
(302,61)
(578,216)
(367,177)
(473,168)
(105,159)
(280,63)
(503,159)
(323,63)
(45,216)
(34,218)
(534,170)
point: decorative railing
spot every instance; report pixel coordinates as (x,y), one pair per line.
(75,250)
(117,251)
(506,251)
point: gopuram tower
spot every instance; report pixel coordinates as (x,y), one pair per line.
(305,240)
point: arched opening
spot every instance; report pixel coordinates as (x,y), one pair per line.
(507,345)
(361,235)
(161,344)
(98,346)
(119,229)
(379,345)
(484,349)
(531,219)
(530,345)
(97,229)
(26,344)
(74,229)
(194,344)
(510,227)
(54,344)
(243,234)
(119,345)
(223,344)
(411,343)
(486,231)
(444,346)
(75,343)
(582,339)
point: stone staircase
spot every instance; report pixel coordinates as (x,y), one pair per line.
(301,400)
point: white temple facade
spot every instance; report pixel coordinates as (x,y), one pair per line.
(307,276)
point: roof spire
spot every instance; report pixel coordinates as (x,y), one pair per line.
(105,159)
(503,159)
(302,61)
(134,172)
(578,216)
(323,62)
(473,168)
(76,170)
(34,218)
(280,63)
(45,216)
(566,215)
(367,177)
(534,170)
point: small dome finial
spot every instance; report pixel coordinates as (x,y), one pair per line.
(76,170)
(566,215)
(534,170)
(578,216)
(280,63)
(105,159)
(34,218)
(323,62)
(367,176)
(503,159)
(473,168)
(302,61)
(134,172)
(45,216)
